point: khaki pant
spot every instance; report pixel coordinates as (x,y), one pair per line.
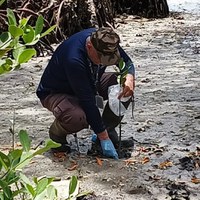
(70,117)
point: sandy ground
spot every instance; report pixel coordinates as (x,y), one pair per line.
(165,163)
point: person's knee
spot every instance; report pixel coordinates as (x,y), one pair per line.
(74,121)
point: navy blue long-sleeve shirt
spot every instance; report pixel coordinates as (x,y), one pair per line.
(69,72)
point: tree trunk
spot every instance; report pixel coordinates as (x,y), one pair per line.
(104,12)
(144,8)
(71,16)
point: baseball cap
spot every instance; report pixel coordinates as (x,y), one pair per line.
(106,41)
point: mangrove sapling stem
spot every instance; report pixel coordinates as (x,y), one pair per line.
(120,130)
(12,130)
(133,105)
(77,142)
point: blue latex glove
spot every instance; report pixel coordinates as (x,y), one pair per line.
(94,137)
(108,149)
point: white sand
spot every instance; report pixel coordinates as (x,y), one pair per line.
(192,6)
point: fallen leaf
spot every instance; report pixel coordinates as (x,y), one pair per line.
(143,149)
(99,161)
(165,164)
(145,160)
(155,177)
(61,156)
(129,161)
(73,167)
(195,180)
(197,164)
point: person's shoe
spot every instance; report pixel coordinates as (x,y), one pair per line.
(64,145)
(63,148)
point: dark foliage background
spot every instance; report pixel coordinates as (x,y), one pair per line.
(71,16)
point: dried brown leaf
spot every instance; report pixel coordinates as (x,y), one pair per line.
(195,180)
(145,160)
(73,167)
(99,161)
(60,156)
(165,164)
(130,161)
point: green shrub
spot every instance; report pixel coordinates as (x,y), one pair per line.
(14,183)
(16,45)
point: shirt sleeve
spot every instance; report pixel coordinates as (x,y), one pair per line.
(81,84)
(128,62)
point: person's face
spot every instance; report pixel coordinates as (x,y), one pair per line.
(92,53)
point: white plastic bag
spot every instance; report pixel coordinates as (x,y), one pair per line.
(114,103)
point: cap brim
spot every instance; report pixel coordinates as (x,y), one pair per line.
(110,59)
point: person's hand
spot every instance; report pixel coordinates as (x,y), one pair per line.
(107,145)
(108,149)
(128,87)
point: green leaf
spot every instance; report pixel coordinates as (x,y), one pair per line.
(48,145)
(83,194)
(51,192)
(73,184)
(41,196)
(36,39)
(15,157)
(1,196)
(24,160)
(25,179)
(15,154)
(29,34)
(4,51)
(11,17)
(15,42)
(39,25)
(17,192)
(26,55)
(5,161)
(50,180)
(30,189)
(5,40)
(2,1)
(17,51)
(15,31)
(35,180)
(6,189)
(23,22)
(6,66)
(25,140)
(11,178)
(121,64)
(42,184)
(48,31)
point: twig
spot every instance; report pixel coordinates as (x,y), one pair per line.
(12,130)
(77,142)
(120,129)
(59,11)
(38,145)
(47,8)
(145,142)
(33,13)
(58,19)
